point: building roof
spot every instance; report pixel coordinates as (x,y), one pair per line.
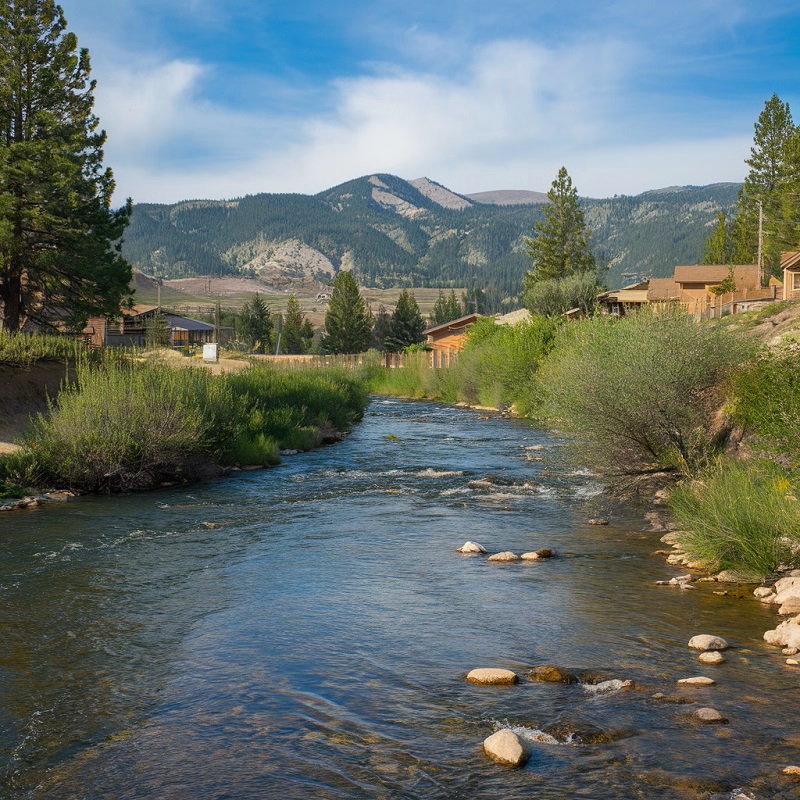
(662,289)
(187,323)
(747,276)
(453,325)
(791,260)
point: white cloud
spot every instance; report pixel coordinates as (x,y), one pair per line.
(515,113)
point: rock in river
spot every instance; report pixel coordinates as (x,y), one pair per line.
(505,556)
(707,642)
(572,731)
(506,748)
(710,716)
(471,547)
(491,676)
(711,657)
(699,680)
(547,673)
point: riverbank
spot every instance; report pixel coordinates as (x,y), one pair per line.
(121,425)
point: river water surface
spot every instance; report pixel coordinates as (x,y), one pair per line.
(303,632)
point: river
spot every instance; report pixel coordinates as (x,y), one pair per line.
(303,632)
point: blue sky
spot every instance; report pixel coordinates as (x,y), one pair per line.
(214,99)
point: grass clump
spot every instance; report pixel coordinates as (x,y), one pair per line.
(24,349)
(642,392)
(124,426)
(739,517)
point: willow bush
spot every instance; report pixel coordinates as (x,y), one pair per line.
(642,392)
(124,426)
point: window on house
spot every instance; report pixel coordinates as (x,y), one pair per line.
(796,281)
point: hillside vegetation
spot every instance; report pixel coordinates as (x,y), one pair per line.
(391,232)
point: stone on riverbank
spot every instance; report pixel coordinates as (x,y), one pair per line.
(699,680)
(787,634)
(504,556)
(506,748)
(492,676)
(671,538)
(705,641)
(790,651)
(791,770)
(711,657)
(471,547)
(764,593)
(710,716)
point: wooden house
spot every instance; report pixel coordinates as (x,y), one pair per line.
(131,328)
(449,337)
(790,264)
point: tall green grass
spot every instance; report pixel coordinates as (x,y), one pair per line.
(124,426)
(497,367)
(739,517)
(24,349)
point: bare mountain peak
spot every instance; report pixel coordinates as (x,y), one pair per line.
(439,194)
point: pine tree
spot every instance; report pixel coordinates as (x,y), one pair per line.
(561,245)
(59,238)
(445,309)
(294,337)
(381,329)
(719,245)
(406,326)
(767,183)
(256,324)
(348,321)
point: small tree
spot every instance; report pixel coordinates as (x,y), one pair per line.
(256,324)
(405,329)
(559,295)
(348,321)
(719,245)
(294,336)
(157,332)
(381,329)
(561,245)
(445,309)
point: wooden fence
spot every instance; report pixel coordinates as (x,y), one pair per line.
(436,359)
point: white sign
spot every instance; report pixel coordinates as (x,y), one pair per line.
(211,352)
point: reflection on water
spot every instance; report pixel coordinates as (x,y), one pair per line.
(313,644)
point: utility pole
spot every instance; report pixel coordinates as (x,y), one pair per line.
(761,241)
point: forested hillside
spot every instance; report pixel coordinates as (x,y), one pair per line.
(391,232)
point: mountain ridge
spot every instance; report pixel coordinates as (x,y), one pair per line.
(393,232)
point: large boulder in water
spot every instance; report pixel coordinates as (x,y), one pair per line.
(547,673)
(504,556)
(471,547)
(506,748)
(576,731)
(492,677)
(787,634)
(707,642)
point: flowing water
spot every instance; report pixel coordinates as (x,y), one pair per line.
(303,632)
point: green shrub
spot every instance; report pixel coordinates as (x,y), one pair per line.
(127,425)
(767,403)
(738,517)
(23,349)
(642,392)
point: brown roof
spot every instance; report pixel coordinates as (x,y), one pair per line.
(662,289)
(791,260)
(746,275)
(455,324)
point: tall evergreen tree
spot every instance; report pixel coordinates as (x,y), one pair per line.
(381,329)
(59,251)
(294,336)
(719,245)
(561,245)
(767,184)
(256,324)
(406,325)
(348,321)
(445,309)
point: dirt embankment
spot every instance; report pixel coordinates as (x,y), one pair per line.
(23,393)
